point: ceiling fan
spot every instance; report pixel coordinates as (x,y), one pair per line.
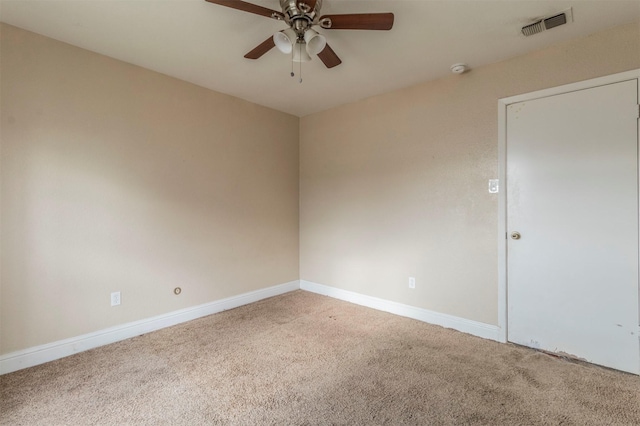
(300,38)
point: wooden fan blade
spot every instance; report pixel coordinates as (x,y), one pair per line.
(329,57)
(261,49)
(360,21)
(248,7)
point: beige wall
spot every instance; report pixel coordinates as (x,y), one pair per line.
(396,185)
(116,178)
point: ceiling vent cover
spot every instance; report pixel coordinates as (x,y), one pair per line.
(540,25)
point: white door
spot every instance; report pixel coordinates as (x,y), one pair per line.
(572,199)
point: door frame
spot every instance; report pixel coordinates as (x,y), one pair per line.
(503,103)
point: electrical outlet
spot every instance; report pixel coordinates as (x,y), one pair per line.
(412,282)
(115,298)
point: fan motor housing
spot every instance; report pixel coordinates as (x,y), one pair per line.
(294,9)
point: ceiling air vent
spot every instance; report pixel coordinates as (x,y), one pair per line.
(540,25)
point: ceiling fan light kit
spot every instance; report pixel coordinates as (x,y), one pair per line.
(300,37)
(284,40)
(315,42)
(300,53)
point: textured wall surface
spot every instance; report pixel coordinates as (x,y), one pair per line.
(396,185)
(116,178)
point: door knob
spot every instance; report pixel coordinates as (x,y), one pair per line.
(515,235)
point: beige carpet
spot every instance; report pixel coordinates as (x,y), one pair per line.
(305,359)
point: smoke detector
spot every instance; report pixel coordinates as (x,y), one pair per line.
(459,68)
(548,22)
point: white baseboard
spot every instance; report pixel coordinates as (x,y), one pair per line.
(486,331)
(40,354)
(49,352)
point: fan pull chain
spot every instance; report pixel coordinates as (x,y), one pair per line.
(300,44)
(292,56)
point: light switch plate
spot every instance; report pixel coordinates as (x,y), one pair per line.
(494,186)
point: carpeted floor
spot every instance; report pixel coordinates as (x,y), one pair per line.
(305,359)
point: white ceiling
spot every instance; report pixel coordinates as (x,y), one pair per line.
(204,43)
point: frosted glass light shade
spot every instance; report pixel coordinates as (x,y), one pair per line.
(300,53)
(284,40)
(315,42)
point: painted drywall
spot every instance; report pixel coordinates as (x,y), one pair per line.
(116,178)
(395,186)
